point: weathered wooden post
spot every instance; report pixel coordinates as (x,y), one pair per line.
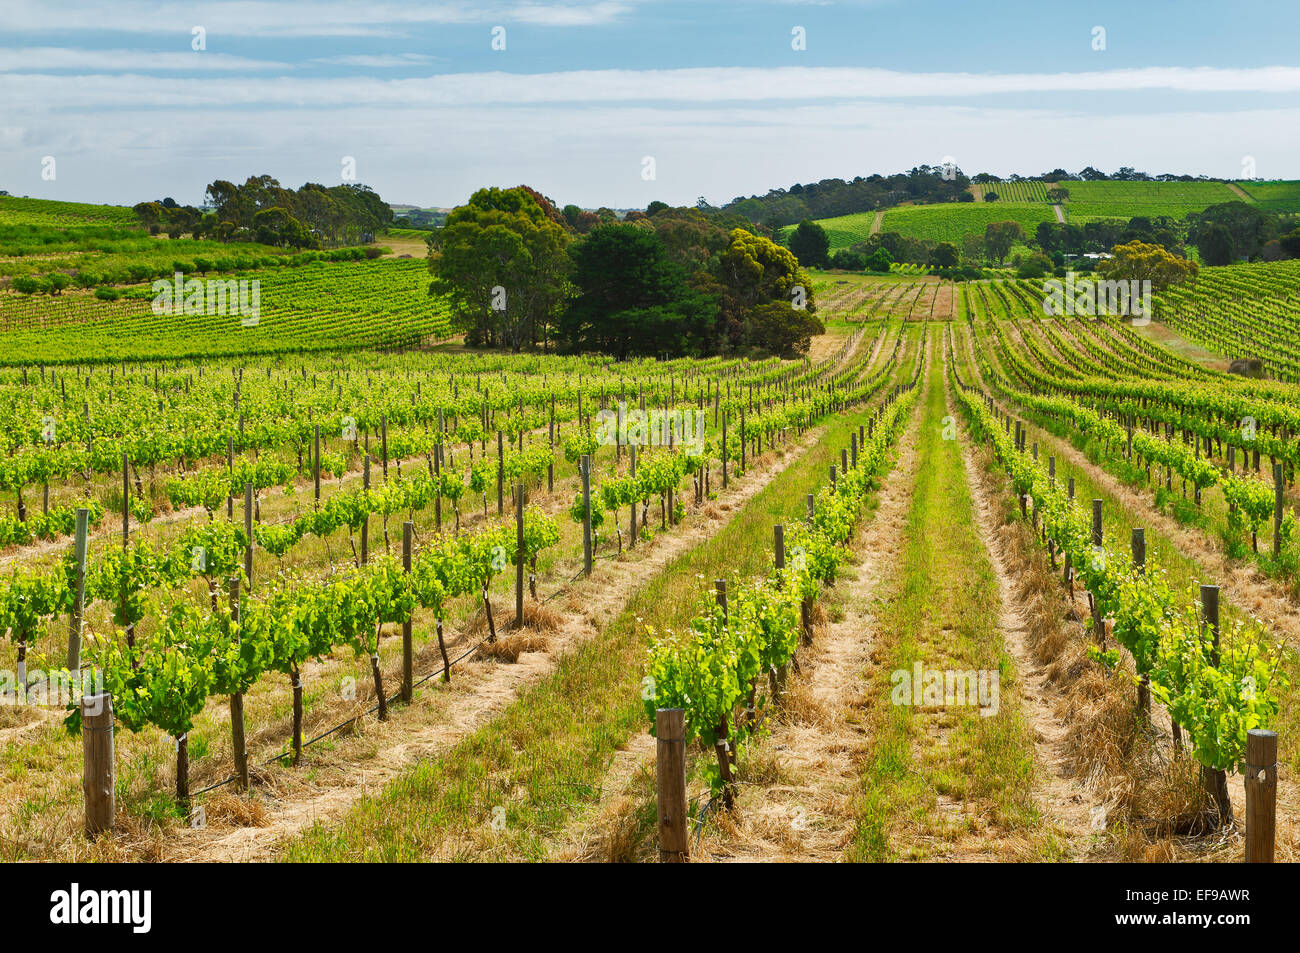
(1261,795)
(97,780)
(670,762)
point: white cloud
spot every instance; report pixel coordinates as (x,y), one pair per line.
(38,58)
(376,61)
(280,18)
(687,86)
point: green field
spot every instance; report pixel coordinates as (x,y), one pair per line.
(843,230)
(312,307)
(948,222)
(1022,191)
(20,211)
(1279,196)
(1092,200)
(112,255)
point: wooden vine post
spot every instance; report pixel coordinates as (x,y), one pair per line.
(670,764)
(97,780)
(1261,795)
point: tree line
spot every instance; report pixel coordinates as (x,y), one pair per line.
(262,210)
(831,197)
(520,274)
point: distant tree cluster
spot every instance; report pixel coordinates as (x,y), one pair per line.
(831,197)
(261,210)
(1090,174)
(1232,231)
(521,273)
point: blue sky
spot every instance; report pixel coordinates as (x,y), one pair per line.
(585,92)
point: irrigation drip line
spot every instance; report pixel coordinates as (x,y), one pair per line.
(355,718)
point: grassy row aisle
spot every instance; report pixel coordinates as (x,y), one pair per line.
(502,792)
(944,779)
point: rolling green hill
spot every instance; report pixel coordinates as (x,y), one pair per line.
(1277,196)
(948,222)
(1092,200)
(20,211)
(843,230)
